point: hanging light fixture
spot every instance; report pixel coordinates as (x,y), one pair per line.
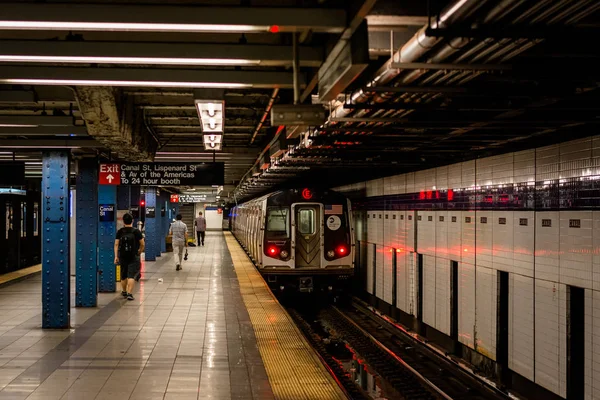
(212,119)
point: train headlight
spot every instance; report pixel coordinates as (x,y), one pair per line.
(284,254)
(330,254)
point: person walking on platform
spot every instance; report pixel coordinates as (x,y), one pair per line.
(129,245)
(200,228)
(179,231)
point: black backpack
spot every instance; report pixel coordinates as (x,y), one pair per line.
(127,244)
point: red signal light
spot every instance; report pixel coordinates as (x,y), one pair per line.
(341,250)
(307,194)
(142,203)
(274,28)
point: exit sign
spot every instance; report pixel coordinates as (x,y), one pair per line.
(110,174)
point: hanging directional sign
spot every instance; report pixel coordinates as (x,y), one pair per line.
(167,174)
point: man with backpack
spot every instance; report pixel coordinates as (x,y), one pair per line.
(179,231)
(129,245)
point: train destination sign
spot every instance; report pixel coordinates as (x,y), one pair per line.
(159,173)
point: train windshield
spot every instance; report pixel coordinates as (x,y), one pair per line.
(278,222)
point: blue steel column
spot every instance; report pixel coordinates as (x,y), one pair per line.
(152,246)
(107,194)
(86,272)
(163,224)
(56,280)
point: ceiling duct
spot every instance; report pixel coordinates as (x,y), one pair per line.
(351,61)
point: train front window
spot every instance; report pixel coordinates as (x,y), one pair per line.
(278,222)
(306,221)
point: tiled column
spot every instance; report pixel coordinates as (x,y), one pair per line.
(107,197)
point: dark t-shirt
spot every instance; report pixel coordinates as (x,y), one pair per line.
(136,233)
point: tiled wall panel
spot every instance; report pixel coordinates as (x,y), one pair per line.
(503,240)
(596,250)
(592,389)
(485,311)
(441,234)
(403,279)
(426,233)
(547,245)
(387,275)
(442,295)
(520,331)
(524,242)
(576,245)
(550,343)
(429,289)
(467,248)
(484,233)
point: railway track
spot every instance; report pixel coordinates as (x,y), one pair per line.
(402,368)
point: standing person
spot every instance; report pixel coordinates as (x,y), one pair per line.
(129,245)
(200,228)
(179,231)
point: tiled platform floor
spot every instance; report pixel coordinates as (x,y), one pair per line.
(189,337)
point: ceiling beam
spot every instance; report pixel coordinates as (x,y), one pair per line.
(154,53)
(44,131)
(144,77)
(30,121)
(40,144)
(168,18)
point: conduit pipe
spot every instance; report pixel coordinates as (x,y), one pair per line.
(265,115)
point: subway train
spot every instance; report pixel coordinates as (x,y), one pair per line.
(301,240)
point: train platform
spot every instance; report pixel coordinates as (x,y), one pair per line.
(210,331)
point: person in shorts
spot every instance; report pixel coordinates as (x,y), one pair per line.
(129,245)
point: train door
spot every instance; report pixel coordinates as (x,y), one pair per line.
(307,221)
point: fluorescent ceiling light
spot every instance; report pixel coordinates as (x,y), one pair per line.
(85,82)
(128,60)
(212,115)
(127,26)
(18,126)
(213,141)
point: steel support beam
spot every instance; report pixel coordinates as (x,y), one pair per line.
(450,67)
(40,144)
(146,77)
(107,196)
(38,120)
(56,277)
(86,272)
(43,131)
(169,18)
(151,226)
(155,53)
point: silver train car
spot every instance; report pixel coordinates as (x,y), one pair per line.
(299,239)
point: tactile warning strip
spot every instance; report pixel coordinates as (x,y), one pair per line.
(294,371)
(19,274)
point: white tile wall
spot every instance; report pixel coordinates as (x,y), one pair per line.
(466,304)
(576,246)
(503,240)
(441,234)
(485,311)
(467,247)
(520,325)
(575,158)
(547,246)
(379,272)
(484,232)
(441,178)
(596,250)
(550,342)
(557,256)
(429,289)
(524,243)
(426,233)
(403,281)
(442,295)
(369,266)
(387,275)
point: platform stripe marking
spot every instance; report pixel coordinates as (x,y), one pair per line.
(293,369)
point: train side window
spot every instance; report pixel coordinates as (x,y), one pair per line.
(306,221)
(278,222)
(35,219)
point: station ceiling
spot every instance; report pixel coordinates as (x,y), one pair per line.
(406,85)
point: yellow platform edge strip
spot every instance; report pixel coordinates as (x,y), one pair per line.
(294,370)
(24,272)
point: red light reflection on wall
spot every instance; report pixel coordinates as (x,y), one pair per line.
(450,194)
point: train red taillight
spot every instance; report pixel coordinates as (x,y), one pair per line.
(273,251)
(341,250)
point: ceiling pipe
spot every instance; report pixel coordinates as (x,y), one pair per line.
(265,115)
(415,48)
